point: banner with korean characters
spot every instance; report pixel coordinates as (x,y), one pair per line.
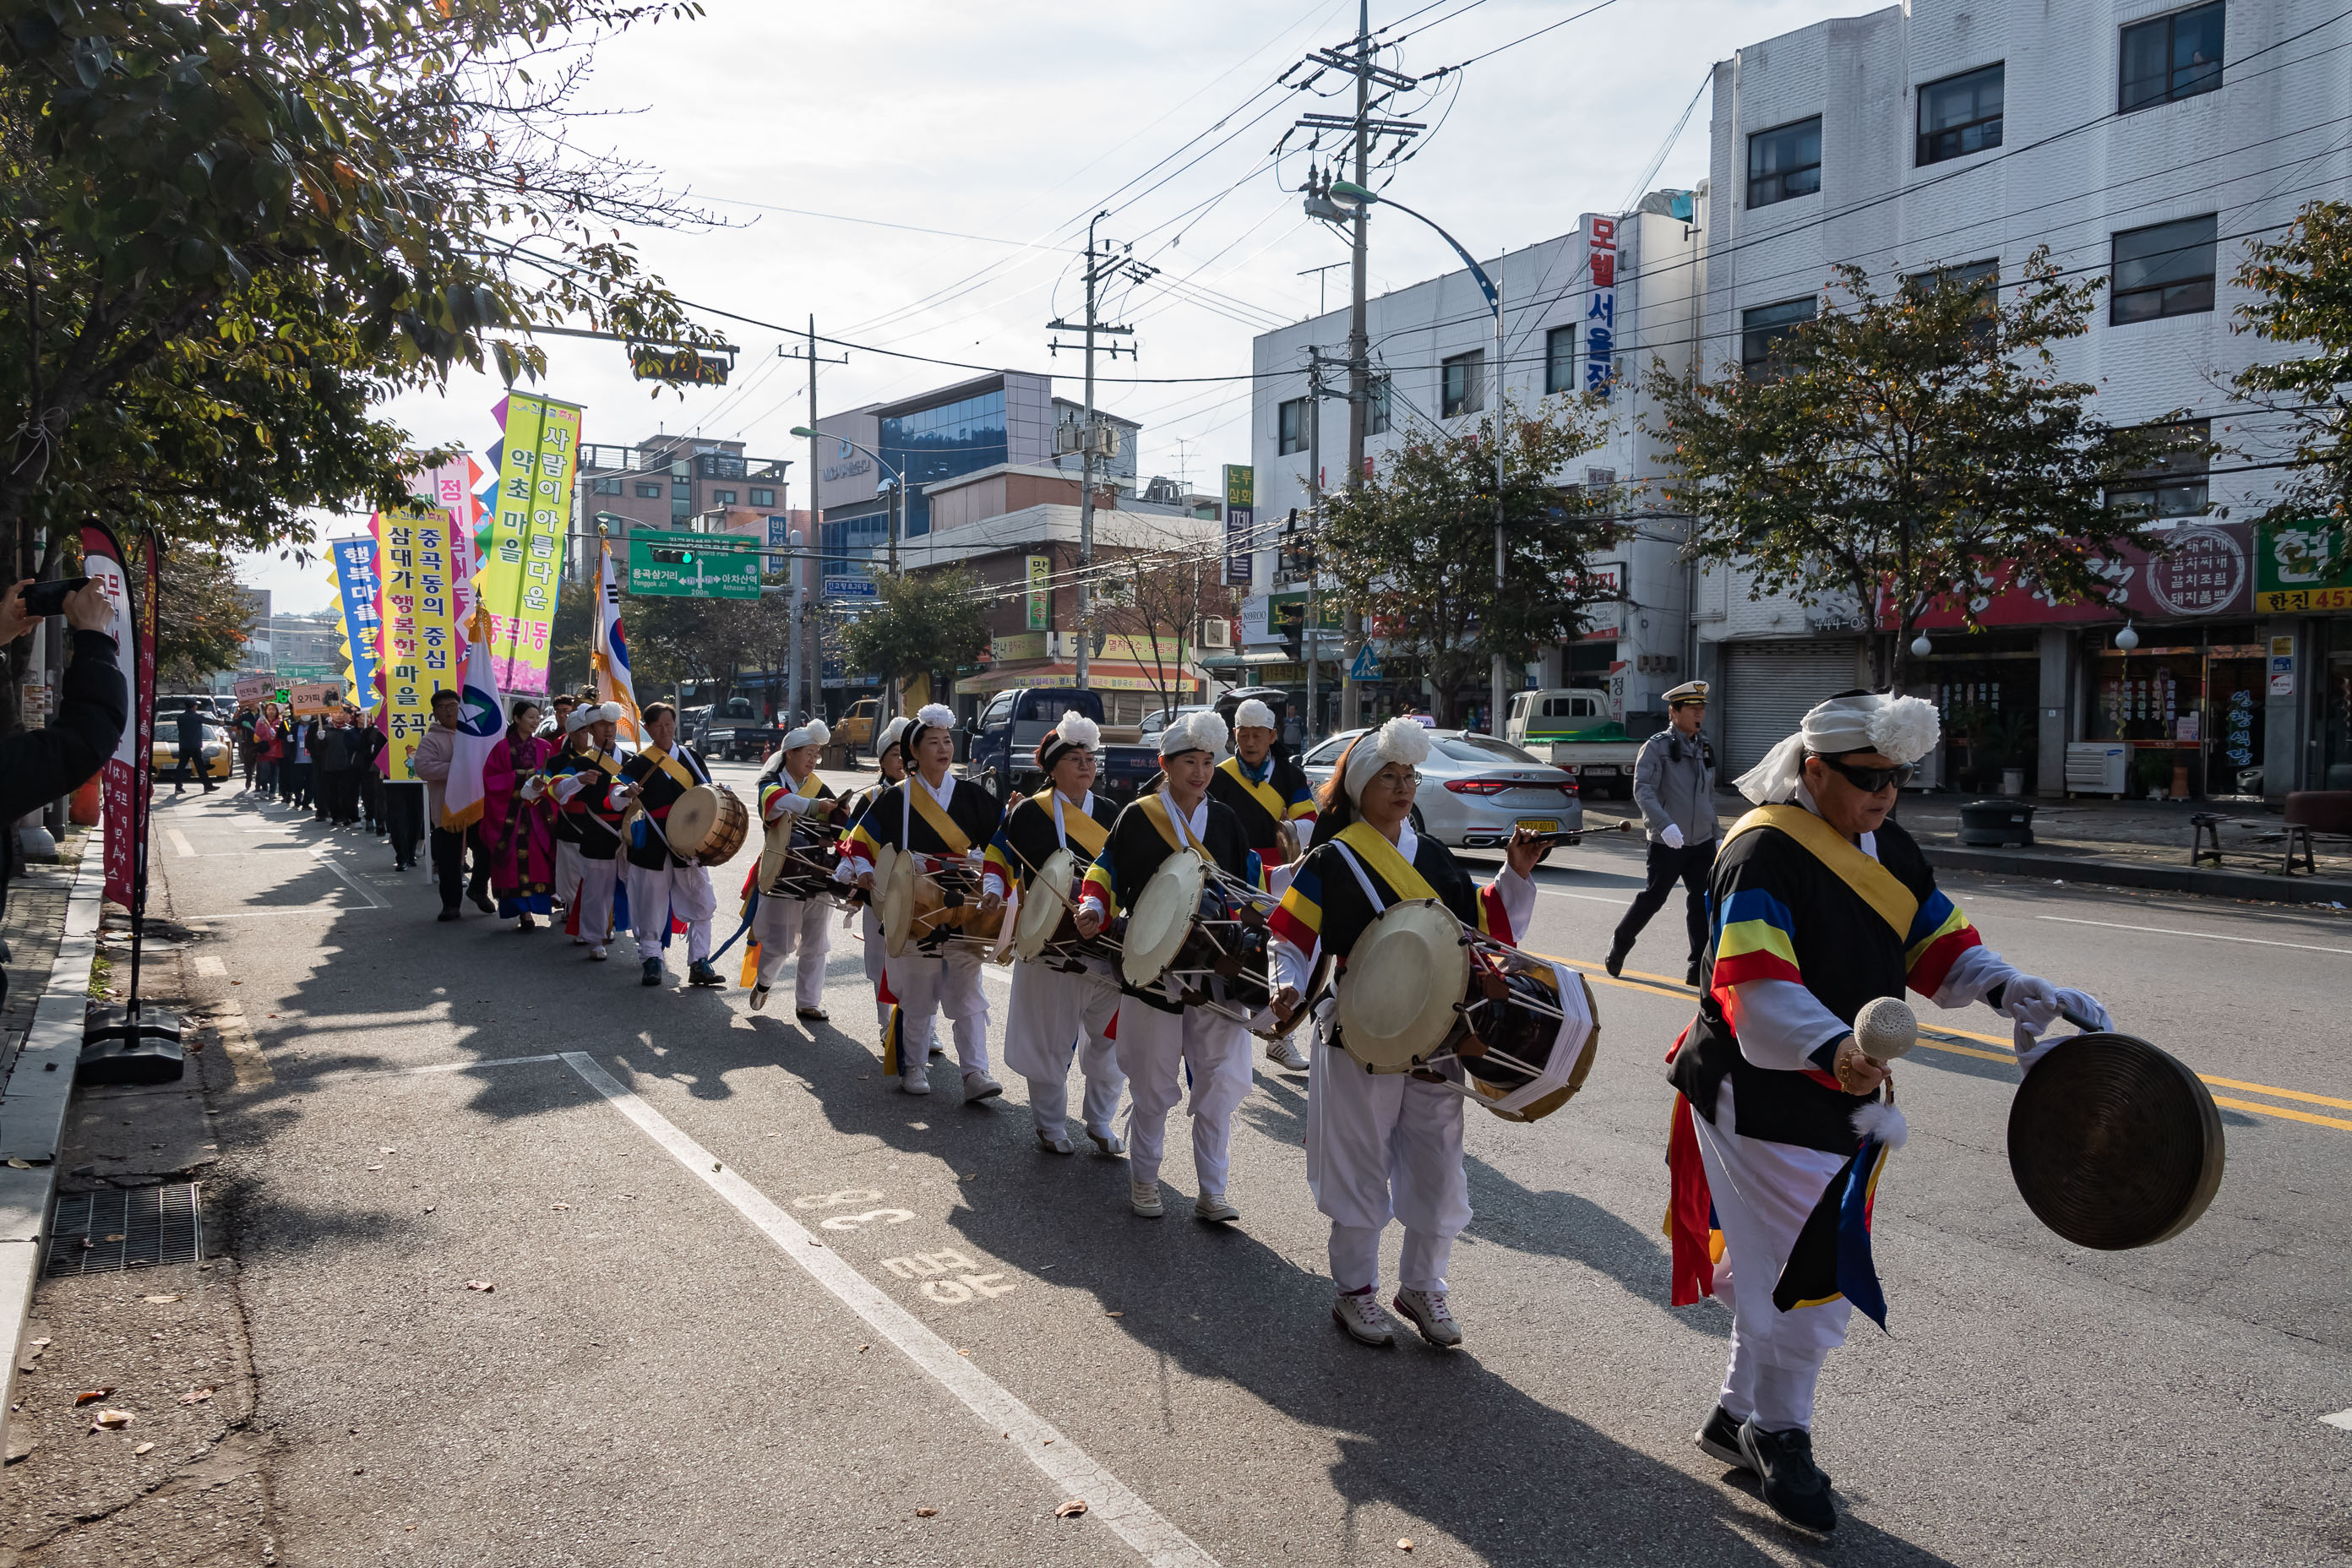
(522,545)
(415,555)
(356,585)
(2302,568)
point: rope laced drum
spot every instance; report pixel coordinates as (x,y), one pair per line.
(1046,929)
(924,907)
(795,863)
(1426,995)
(1194,923)
(706,823)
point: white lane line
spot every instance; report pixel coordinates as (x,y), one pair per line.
(1073,1474)
(2342,1418)
(326,857)
(288,910)
(1588,897)
(180,845)
(311,1080)
(2197,935)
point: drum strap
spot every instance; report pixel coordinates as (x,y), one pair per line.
(1872,883)
(927,807)
(667,761)
(1154,808)
(1362,839)
(1073,827)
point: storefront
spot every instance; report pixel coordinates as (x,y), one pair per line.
(2188,701)
(1987,688)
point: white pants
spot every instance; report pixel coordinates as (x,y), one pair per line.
(1763,1192)
(1053,1014)
(950,984)
(589,905)
(654,895)
(1383,1145)
(567,863)
(781,927)
(1154,1050)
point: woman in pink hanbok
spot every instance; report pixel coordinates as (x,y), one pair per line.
(519,821)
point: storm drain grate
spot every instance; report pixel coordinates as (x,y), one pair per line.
(134,1227)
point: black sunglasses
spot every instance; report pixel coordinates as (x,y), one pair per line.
(1870,780)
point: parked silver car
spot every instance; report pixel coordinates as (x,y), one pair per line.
(1476,790)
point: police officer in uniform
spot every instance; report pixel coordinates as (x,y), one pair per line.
(1673,784)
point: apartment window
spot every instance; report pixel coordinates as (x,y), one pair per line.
(680,491)
(1959,115)
(2165,269)
(1290,428)
(1559,359)
(604,487)
(2174,487)
(1464,388)
(1376,408)
(763,498)
(1981,278)
(722,498)
(1761,332)
(649,491)
(1786,161)
(2171,57)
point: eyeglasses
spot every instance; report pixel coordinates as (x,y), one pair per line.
(1870,780)
(1405,781)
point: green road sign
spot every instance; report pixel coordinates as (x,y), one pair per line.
(693,565)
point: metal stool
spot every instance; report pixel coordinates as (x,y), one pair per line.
(2299,833)
(2205,840)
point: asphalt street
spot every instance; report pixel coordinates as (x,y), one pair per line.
(749,1302)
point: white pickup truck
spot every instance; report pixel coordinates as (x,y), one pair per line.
(1570,727)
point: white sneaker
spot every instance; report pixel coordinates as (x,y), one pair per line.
(915,1083)
(1143,1197)
(1055,1144)
(1107,1143)
(978,1086)
(580,942)
(596,954)
(758,997)
(1283,1053)
(1359,1313)
(1427,1310)
(1213,1207)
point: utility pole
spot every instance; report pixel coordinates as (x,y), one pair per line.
(815,662)
(1088,437)
(1311,642)
(1498,695)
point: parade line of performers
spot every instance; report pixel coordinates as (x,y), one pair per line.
(1816,904)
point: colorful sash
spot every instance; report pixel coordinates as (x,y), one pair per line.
(929,808)
(1872,883)
(1074,827)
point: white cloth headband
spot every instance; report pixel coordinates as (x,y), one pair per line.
(1900,729)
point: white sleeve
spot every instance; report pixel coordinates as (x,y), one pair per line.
(1292,967)
(569,784)
(1977,971)
(1781,1024)
(1518,896)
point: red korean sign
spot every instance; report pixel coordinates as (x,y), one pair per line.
(2206,569)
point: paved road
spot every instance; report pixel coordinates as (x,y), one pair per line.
(750,1302)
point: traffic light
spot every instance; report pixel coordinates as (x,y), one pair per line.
(1289,623)
(670,555)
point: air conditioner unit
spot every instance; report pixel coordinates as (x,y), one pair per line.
(2097,767)
(1216,632)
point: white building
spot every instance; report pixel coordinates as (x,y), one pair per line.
(2144,144)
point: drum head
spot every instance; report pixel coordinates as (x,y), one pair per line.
(1404,981)
(1162,918)
(691,819)
(2114,1144)
(1041,912)
(894,898)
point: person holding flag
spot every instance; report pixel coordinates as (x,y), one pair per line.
(608,654)
(581,779)
(665,887)
(516,831)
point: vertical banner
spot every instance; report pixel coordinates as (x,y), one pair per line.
(355,580)
(1600,310)
(523,548)
(417,553)
(124,788)
(452,488)
(1241,517)
(609,653)
(1041,593)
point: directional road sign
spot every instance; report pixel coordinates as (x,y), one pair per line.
(693,565)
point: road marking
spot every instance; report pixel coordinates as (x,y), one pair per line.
(207,964)
(326,857)
(2282,1111)
(288,910)
(1073,1473)
(243,1050)
(1588,897)
(2281,1093)
(2198,935)
(180,845)
(2342,1418)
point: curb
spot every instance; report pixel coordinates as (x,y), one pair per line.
(33,1102)
(2162,878)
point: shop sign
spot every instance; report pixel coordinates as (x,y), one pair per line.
(1241,518)
(1600,307)
(1041,592)
(2302,567)
(1328,615)
(1020,645)
(1255,620)
(2283,667)
(2205,569)
(1604,613)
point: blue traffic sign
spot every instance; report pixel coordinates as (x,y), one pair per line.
(1366,667)
(852,588)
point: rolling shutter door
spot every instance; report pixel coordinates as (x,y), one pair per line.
(1771,686)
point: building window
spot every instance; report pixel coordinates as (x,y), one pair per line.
(763,498)
(722,498)
(1980,277)
(1761,330)
(2174,487)
(1788,162)
(1376,408)
(1559,359)
(649,491)
(1290,428)
(2171,57)
(680,491)
(2166,270)
(1464,388)
(604,487)
(1959,115)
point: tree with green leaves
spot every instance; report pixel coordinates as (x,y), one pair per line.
(1413,547)
(708,641)
(931,624)
(1916,445)
(2304,277)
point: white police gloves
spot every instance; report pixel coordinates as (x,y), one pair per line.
(1672,837)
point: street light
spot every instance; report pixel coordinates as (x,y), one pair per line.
(1348,190)
(805,433)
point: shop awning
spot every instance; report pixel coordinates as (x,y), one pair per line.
(1102,675)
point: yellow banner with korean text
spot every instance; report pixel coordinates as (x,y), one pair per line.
(522,547)
(417,563)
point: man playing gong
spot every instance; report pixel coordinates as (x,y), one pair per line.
(663,884)
(1819,905)
(790,920)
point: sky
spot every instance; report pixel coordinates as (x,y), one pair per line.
(825,139)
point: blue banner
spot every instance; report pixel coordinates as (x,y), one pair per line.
(355,576)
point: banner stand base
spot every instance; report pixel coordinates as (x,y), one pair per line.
(120,1046)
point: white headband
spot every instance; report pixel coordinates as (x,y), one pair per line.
(1398,741)
(1201,731)
(815,732)
(1254,715)
(1900,729)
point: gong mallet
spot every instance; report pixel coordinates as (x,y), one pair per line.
(1885,1028)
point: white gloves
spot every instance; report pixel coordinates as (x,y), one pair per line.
(1673,836)
(2035,1003)
(533,787)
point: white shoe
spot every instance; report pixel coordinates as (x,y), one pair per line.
(580,942)
(1360,1315)
(1143,1197)
(758,997)
(1427,1310)
(1283,1053)
(1107,1143)
(915,1083)
(1057,1144)
(596,954)
(978,1086)
(1213,1207)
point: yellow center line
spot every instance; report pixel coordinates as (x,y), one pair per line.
(2282,1111)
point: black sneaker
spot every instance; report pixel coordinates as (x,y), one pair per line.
(1792,1487)
(1720,1439)
(1616,962)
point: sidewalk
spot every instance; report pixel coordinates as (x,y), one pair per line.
(2114,843)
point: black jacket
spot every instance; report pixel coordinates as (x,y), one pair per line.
(191,730)
(40,765)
